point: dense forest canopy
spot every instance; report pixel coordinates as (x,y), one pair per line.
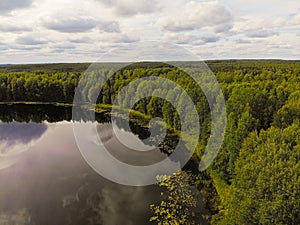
(256,174)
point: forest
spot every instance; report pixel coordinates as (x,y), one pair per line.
(256,175)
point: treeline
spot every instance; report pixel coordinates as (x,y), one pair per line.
(215,65)
(38,86)
(259,160)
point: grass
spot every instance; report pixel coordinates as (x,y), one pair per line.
(36,103)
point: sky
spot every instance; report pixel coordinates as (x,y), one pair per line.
(45,31)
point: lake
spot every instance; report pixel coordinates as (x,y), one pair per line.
(45,180)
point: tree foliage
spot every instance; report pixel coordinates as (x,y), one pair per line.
(181,200)
(259,159)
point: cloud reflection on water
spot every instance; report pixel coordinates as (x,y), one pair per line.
(53,179)
(16,138)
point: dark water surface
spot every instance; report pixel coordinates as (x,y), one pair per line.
(44,179)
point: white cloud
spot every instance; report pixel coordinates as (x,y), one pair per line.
(81,30)
(243,41)
(197,15)
(70,25)
(261,33)
(3,47)
(6,6)
(81,40)
(79,24)
(25,47)
(188,39)
(250,23)
(180,38)
(296,19)
(11,27)
(209,38)
(132,7)
(115,38)
(62,48)
(28,40)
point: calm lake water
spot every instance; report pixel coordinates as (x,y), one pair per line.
(44,179)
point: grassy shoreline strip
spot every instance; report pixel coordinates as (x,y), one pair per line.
(37,103)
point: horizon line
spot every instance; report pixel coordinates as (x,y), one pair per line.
(206,60)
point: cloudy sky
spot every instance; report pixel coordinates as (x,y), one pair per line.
(81,31)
